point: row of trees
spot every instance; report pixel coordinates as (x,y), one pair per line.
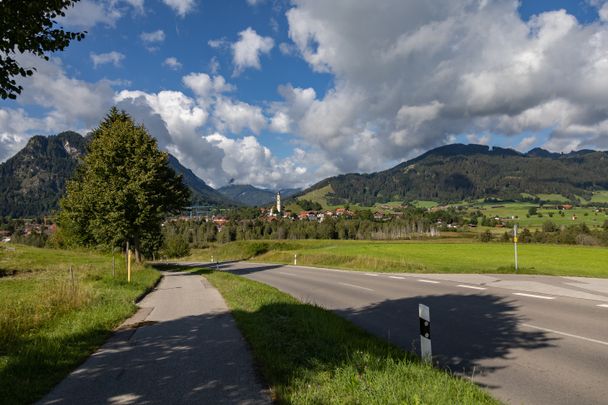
(578,234)
(201,233)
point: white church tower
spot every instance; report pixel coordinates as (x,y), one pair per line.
(278,203)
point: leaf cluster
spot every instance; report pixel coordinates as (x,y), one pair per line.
(30,26)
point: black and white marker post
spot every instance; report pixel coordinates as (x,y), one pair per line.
(425,332)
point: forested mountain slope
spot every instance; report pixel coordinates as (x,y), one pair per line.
(462,172)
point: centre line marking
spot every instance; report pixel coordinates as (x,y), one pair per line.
(603,305)
(565,334)
(356,286)
(371,274)
(286,274)
(473,287)
(542,297)
(428,281)
(397,277)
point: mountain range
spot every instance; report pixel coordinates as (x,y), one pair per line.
(33,180)
(460,172)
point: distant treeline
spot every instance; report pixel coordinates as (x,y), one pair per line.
(200,233)
(579,234)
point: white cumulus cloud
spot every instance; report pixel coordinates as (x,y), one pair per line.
(416,74)
(247,50)
(236,116)
(153,36)
(181,7)
(115,58)
(172,63)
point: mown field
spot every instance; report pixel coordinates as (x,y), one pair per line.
(50,321)
(437,256)
(309,355)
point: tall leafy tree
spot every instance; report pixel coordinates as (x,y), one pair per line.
(123,189)
(29,26)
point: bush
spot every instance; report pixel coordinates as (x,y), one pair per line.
(486,236)
(549,226)
(585,239)
(175,246)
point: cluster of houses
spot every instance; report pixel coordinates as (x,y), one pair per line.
(30,228)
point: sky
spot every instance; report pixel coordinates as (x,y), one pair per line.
(282,94)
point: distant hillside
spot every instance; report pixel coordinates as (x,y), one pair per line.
(463,172)
(32,181)
(252,196)
(202,194)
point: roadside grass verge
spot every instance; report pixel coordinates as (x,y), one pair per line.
(311,356)
(49,322)
(441,256)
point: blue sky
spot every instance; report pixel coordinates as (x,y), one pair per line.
(284,93)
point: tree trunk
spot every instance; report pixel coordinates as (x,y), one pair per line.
(136,249)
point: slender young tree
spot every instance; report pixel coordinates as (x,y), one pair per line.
(123,189)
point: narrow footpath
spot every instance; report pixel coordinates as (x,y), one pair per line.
(182,346)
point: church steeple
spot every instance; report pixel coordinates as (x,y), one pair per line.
(278,202)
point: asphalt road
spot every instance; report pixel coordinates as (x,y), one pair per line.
(527,339)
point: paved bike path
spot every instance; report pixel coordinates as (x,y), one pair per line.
(186,349)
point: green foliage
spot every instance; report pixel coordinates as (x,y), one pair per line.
(29,27)
(549,226)
(175,245)
(49,322)
(308,205)
(123,190)
(486,236)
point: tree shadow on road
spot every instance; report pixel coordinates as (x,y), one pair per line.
(465,329)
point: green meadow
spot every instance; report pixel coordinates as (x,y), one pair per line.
(52,318)
(435,256)
(518,212)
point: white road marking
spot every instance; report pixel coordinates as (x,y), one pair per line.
(603,305)
(397,277)
(286,274)
(542,297)
(601,342)
(428,281)
(371,274)
(356,286)
(472,287)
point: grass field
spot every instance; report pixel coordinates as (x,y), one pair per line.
(441,256)
(311,356)
(518,212)
(600,197)
(49,321)
(318,196)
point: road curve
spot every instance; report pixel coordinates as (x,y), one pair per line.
(527,339)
